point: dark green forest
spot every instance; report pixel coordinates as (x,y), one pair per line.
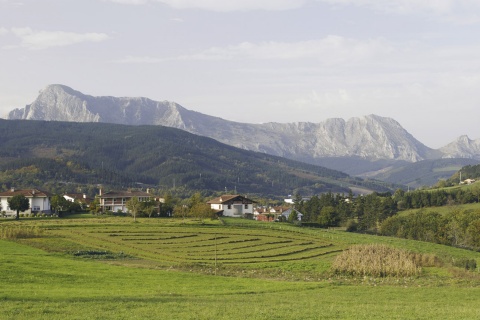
(381,213)
(61,156)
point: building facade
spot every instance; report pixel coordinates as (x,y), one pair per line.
(117,200)
(233,206)
(39,201)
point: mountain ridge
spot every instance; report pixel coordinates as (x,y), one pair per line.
(370,137)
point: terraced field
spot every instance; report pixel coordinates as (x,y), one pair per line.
(208,245)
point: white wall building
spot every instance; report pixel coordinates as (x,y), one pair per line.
(233,206)
(39,201)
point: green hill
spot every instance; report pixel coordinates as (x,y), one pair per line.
(62,155)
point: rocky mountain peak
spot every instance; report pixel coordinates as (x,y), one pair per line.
(369,137)
(462,147)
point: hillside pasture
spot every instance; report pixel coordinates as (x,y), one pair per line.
(112,268)
(210,247)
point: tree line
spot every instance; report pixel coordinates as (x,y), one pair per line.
(378,213)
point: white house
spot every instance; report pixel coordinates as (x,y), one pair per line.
(287,213)
(233,206)
(468,181)
(117,200)
(39,201)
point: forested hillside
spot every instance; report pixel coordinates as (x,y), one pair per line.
(60,155)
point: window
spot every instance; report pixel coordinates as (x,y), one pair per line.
(246,206)
(36,208)
(229,206)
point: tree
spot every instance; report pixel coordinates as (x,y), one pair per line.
(328,217)
(149,207)
(195,199)
(95,206)
(181,210)
(18,203)
(134,206)
(202,211)
(59,203)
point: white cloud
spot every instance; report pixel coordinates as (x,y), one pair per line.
(45,39)
(455,11)
(329,50)
(224,5)
(134,2)
(402,6)
(142,59)
(3,31)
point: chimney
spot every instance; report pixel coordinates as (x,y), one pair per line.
(12,189)
(148,190)
(84,196)
(33,191)
(100,192)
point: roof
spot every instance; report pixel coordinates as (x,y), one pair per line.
(125,194)
(75,195)
(28,193)
(79,197)
(230,198)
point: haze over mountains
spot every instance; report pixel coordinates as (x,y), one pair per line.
(369,146)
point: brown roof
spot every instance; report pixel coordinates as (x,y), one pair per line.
(28,193)
(229,197)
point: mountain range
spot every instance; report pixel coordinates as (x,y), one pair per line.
(377,144)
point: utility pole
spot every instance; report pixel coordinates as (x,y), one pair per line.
(215,254)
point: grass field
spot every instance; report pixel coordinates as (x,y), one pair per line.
(445,209)
(112,268)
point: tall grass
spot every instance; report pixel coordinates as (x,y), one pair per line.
(377,260)
(20,232)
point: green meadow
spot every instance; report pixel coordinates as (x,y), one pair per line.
(112,268)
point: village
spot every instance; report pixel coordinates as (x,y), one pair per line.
(40,204)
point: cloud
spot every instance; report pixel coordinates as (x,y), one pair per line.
(329,50)
(455,11)
(142,59)
(224,5)
(134,2)
(36,40)
(3,31)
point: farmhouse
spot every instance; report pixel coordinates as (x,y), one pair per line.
(39,201)
(286,214)
(117,200)
(468,181)
(78,197)
(233,206)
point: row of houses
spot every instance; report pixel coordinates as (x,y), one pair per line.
(225,205)
(40,201)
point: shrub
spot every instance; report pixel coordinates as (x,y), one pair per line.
(375,260)
(351,225)
(468,264)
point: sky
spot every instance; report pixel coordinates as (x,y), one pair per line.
(256,61)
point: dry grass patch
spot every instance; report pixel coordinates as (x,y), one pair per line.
(377,260)
(19,232)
